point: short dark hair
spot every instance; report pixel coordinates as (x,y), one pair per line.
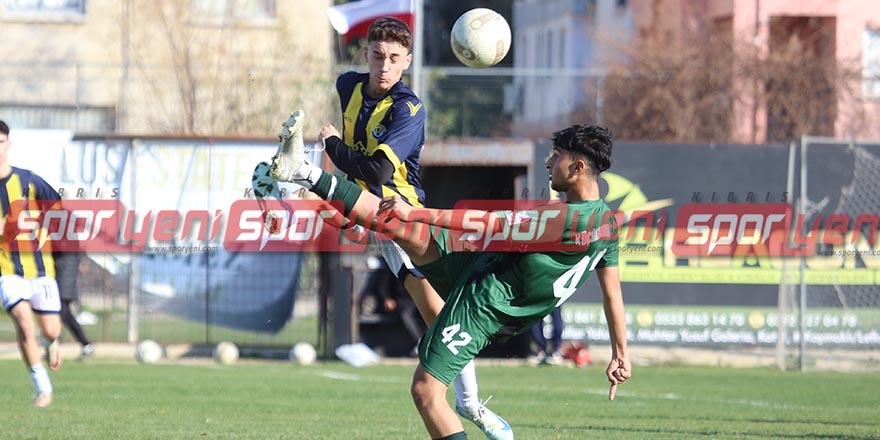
(592,141)
(4,128)
(390,29)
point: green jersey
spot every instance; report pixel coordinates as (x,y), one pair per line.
(492,296)
(541,281)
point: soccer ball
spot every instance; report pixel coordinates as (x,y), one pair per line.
(226,353)
(480,38)
(303,353)
(148,352)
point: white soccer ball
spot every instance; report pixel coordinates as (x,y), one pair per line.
(303,353)
(148,352)
(480,38)
(226,353)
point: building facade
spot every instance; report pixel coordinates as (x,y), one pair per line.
(559,50)
(164,66)
(564,47)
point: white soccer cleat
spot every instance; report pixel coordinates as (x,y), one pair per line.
(88,351)
(291,150)
(555,358)
(490,423)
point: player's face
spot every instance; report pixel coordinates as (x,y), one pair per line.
(561,166)
(387,61)
(4,148)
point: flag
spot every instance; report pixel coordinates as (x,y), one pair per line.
(353,19)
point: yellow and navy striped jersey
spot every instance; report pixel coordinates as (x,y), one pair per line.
(24,257)
(393,124)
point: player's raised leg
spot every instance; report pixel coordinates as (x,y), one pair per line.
(290,165)
(46,304)
(288,158)
(50,326)
(291,150)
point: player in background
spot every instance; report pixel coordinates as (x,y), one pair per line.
(549,351)
(27,282)
(490,296)
(67,274)
(383,132)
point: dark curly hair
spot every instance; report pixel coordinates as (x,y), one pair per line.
(390,29)
(4,128)
(592,141)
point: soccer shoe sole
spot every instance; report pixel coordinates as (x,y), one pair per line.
(291,150)
(53,355)
(266,188)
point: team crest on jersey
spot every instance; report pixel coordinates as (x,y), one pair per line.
(379,131)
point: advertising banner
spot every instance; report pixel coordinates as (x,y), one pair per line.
(174,197)
(710,233)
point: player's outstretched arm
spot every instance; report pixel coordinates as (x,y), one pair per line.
(619,369)
(375,169)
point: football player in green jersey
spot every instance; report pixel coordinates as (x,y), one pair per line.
(490,296)
(378,148)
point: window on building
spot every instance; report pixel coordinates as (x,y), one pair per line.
(80,119)
(871,63)
(539,48)
(241,9)
(562,43)
(47,6)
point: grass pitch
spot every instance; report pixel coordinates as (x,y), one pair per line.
(275,400)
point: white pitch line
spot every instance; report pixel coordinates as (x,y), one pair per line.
(338,375)
(674,396)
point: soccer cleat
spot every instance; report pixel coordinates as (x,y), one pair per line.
(266,188)
(87,351)
(490,423)
(264,185)
(537,358)
(53,354)
(555,358)
(43,400)
(291,150)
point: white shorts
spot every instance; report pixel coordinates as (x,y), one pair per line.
(397,259)
(42,293)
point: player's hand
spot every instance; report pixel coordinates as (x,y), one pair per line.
(390,305)
(394,207)
(619,371)
(328,131)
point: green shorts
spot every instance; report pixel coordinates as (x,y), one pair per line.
(467,323)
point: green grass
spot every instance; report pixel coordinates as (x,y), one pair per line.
(169,329)
(275,400)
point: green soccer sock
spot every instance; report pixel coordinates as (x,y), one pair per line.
(457,436)
(330,187)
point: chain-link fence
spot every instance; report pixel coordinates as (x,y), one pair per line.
(180,284)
